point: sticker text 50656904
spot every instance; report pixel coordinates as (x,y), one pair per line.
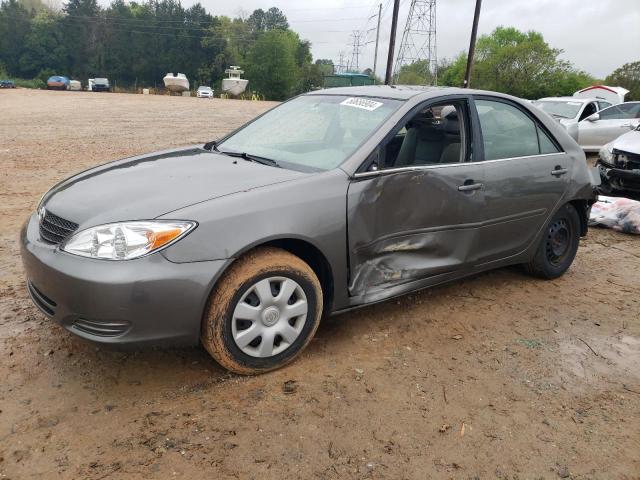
(364,103)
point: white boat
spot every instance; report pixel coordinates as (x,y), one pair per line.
(177,82)
(234,85)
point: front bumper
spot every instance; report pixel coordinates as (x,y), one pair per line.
(145,300)
(618,178)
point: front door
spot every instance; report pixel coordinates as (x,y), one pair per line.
(525,177)
(612,122)
(413,216)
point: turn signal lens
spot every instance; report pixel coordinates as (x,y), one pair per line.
(125,241)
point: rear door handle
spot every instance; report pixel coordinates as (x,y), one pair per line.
(559,171)
(468,187)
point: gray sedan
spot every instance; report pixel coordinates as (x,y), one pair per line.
(333,200)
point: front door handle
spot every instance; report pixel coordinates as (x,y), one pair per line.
(559,171)
(469,186)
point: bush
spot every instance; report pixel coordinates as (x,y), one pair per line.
(34,83)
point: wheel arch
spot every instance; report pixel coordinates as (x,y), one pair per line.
(302,248)
(582,207)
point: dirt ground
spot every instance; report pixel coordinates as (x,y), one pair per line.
(499,376)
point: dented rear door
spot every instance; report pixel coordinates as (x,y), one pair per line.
(410,225)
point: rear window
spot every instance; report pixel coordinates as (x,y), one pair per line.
(508,132)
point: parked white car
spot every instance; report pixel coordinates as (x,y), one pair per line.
(568,110)
(602,127)
(619,164)
(571,110)
(204,92)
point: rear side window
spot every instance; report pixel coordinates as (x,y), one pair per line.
(508,132)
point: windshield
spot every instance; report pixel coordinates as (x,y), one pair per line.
(312,132)
(204,88)
(565,109)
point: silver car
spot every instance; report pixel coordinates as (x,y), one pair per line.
(333,200)
(204,92)
(607,125)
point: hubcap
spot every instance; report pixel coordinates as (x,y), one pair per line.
(269,317)
(558,241)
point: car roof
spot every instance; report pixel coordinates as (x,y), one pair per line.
(402,92)
(572,99)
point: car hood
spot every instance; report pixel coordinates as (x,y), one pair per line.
(629,142)
(148,186)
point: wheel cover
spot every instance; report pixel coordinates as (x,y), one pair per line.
(269,317)
(558,242)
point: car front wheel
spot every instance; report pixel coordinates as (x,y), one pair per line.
(558,245)
(263,312)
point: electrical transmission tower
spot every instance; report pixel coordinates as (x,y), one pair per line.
(419,41)
(355,50)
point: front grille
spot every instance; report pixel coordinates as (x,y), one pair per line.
(43,302)
(626,160)
(54,229)
(101,329)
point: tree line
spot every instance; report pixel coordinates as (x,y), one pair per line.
(521,64)
(137,43)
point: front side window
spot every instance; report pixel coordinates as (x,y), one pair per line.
(508,132)
(590,109)
(312,132)
(622,111)
(602,105)
(434,135)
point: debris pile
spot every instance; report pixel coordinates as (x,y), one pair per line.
(621,214)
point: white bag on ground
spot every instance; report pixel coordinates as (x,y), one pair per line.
(621,214)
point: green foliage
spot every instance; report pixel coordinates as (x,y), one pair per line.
(33,83)
(627,76)
(326,66)
(416,73)
(509,61)
(136,43)
(273,67)
(451,73)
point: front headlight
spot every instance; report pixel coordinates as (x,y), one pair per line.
(126,240)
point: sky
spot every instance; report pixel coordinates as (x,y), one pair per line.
(596,35)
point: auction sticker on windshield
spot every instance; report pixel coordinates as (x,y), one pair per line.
(363,103)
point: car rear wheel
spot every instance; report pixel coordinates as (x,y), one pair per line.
(263,312)
(558,246)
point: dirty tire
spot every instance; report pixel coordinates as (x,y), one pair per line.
(558,245)
(263,262)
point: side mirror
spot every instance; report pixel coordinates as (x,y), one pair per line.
(593,117)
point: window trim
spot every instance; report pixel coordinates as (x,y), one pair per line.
(537,123)
(471,133)
(375,173)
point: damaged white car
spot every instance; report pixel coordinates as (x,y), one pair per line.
(619,164)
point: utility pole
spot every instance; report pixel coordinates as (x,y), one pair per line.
(392,41)
(472,45)
(375,55)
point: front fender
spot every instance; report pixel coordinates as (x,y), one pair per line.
(312,209)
